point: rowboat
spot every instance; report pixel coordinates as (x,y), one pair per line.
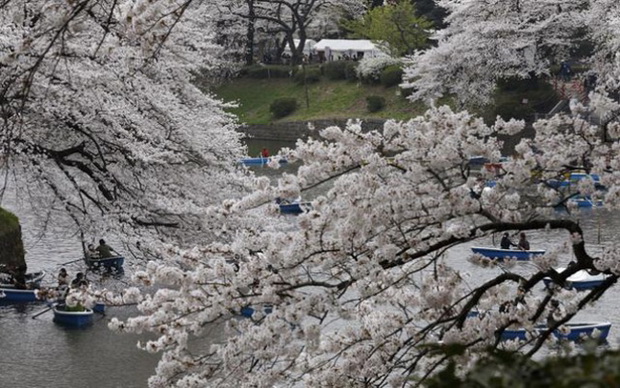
(99,307)
(9,293)
(574,178)
(294,208)
(259,161)
(501,254)
(248,311)
(33,280)
(585,201)
(574,332)
(481,160)
(580,280)
(109,263)
(66,317)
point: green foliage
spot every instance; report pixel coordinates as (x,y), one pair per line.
(512,370)
(311,76)
(430,10)
(11,245)
(283,107)
(339,70)
(391,76)
(375,103)
(406,92)
(266,71)
(574,69)
(520,99)
(396,24)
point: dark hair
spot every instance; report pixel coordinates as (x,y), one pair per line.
(102,241)
(505,233)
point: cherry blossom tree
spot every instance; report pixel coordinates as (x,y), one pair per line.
(484,42)
(98,110)
(360,290)
(100,118)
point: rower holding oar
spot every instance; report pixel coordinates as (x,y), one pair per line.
(104,249)
(506,243)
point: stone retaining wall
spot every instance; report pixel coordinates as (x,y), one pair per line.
(291,131)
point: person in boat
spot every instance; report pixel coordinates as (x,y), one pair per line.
(264,153)
(91,252)
(79,281)
(523,244)
(18,276)
(63,278)
(506,243)
(104,250)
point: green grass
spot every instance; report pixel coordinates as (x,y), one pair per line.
(327,100)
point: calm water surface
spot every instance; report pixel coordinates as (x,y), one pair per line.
(39,353)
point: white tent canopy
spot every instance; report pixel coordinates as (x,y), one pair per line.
(334,49)
(308,46)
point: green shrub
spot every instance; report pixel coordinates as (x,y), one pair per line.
(312,76)
(406,92)
(521,99)
(375,103)
(11,245)
(267,71)
(339,70)
(283,107)
(391,76)
(503,369)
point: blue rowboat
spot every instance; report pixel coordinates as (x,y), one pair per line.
(481,160)
(9,293)
(249,311)
(259,161)
(580,280)
(575,332)
(294,208)
(501,254)
(72,318)
(585,201)
(574,178)
(99,307)
(109,263)
(13,294)
(32,279)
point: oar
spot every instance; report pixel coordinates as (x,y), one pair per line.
(44,311)
(72,261)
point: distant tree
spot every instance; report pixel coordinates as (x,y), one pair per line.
(394,25)
(483,44)
(430,10)
(291,19)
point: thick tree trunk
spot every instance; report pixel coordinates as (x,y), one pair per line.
(249,48)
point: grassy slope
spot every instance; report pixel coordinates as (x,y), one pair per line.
(328,99)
